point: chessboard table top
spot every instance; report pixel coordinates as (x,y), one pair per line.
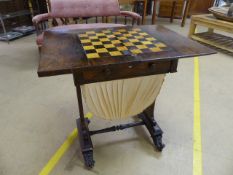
(61,53)
(118,42)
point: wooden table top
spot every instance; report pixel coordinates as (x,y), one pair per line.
(62,53)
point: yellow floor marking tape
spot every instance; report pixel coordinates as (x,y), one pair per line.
(62,150)
(197,146)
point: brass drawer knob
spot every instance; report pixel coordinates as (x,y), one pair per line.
(152,66)
(107,71)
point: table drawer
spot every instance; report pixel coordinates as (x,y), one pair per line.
(106,73)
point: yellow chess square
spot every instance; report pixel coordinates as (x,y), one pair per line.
(110,36)
(136,29)
(88,47)
(160,45)
(86,41)
(116,33)
(136,51)
(115,42)
(106,31)
(90,32)
(109,46)
(93,37)
(122,38)
(102,50)
(122,30)
(127,35)
(143,34)
(115,53)
(133,32)
(146,42)
(150,39)
(155,49)
(133,40)
(104,39)
(97,43)
(100,34)
(83,35)
(141,47)
(139,37)
(122,48)
(128,44)
(92,55)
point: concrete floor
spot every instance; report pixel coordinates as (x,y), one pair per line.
(37,114)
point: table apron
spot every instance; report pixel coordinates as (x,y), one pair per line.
(124,71)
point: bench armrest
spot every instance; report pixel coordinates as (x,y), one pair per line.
(40,18)
(131,14)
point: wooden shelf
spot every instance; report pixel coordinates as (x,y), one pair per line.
(215,39)
(221,41)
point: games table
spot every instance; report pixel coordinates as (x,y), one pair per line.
(98,55)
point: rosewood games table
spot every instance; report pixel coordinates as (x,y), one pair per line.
(148,50)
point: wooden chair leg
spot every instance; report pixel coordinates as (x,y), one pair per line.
(154,12)
(185,12)
(144,12)
(108,19)
(173,11)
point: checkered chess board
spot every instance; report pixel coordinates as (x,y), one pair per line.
(118,42)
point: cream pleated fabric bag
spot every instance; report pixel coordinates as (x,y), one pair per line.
(124,98)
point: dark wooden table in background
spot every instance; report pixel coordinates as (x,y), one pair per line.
(62,53)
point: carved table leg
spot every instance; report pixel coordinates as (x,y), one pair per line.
(155,131)
(84,133)
(85,143)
